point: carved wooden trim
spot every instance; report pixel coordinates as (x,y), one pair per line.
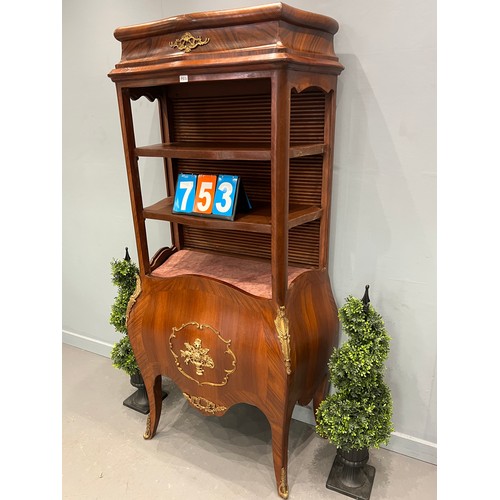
(230,17)
(161,256)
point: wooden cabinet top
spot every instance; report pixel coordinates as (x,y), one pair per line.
(256,38)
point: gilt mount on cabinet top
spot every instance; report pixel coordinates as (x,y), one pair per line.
(257,37)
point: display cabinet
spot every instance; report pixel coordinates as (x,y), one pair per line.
(240,309)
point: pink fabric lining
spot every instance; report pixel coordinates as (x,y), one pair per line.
(252,276)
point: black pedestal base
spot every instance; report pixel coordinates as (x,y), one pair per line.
(138,401)
(334,482)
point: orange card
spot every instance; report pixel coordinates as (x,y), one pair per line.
(205,191)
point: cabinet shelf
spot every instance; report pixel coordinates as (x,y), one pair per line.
(258,220)
(224,151)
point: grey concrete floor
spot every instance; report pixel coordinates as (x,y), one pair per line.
(195,456)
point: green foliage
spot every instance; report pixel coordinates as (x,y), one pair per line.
(123,357)
(358,415)
(123,275)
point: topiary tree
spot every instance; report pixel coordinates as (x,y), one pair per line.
(124,275)
(358,415)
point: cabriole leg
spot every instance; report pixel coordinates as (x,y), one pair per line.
(153,388)
(280,427)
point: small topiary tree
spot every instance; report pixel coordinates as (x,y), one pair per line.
(124,275)
(358,415)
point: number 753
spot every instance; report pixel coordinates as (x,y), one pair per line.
(205,194)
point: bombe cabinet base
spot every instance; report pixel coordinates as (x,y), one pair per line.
(224,346)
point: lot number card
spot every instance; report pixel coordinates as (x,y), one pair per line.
(184,194)
(210,195)
(205,191)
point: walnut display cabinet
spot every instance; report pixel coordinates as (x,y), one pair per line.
(235,311)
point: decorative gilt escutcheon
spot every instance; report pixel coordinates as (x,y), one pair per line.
(204,404)
(188,42)
(281,322)
(133,298)
(198,356)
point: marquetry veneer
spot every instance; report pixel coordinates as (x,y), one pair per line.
(236,311)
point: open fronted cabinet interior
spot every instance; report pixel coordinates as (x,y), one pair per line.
(238,309)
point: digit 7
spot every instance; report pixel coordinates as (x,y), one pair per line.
(188,187)
(184,194)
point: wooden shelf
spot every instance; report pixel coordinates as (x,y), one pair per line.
(258,220)
(223,151)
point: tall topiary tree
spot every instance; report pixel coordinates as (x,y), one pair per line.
(124,276)
(358,415)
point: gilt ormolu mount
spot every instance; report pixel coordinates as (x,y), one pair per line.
(236,311)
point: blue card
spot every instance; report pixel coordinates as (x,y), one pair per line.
(185,194)
(225,196)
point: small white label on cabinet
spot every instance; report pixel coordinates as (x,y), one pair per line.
(183,78)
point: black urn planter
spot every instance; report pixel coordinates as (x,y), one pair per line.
(138,401)
(350,475)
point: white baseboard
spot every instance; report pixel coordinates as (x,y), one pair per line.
(87,343)
(400,443)
(412,446)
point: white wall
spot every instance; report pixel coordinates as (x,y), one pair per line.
(97,219)
(384,220)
